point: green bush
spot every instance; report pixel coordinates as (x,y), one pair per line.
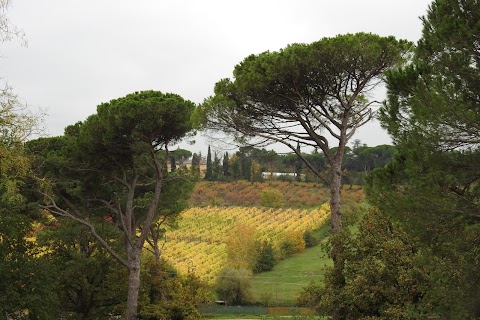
(234,286)
(309,238)
(287,248)
(310,295)
(272,198)
(167,295)
(265,257)
(292,243)
(386,276)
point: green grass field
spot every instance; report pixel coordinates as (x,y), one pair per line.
(282,285)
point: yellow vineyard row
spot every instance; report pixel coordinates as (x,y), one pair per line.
(198,243)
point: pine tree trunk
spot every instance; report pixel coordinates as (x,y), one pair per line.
(335,197)
(337,241)
(133,283)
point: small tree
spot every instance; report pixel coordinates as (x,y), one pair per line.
(255,173)
(235,164)
(234,285)
(226,165)
(241,249)
(272,198)
(216,168)
(209,172)
(298,165)
(168,295)
(181,155)
(266,259)
(89,283)
(195,170)
(173,164)
(385,275)
(292,243)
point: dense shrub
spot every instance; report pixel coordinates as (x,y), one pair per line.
(234,286)
(310,295)
(167,295)
(272,198)
(309,238)
(265,257)
(385,275)
(291,244)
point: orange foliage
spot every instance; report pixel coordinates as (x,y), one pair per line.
(244,193)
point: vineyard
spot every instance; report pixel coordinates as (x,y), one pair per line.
(198,243)
(246,194)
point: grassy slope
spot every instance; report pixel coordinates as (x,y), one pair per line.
(282,285)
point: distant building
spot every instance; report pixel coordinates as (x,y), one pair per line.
(281,176)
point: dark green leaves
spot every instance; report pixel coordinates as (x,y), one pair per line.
(122,126)
(439,95)
(312,86)
(431,187)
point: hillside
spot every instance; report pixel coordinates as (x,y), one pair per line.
(247,194)
(198,243)
(282,285)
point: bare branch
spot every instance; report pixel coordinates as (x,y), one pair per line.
(55,209)
(156,196)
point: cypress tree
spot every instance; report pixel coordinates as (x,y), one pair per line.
(209,172)
(226,165)
(196,165)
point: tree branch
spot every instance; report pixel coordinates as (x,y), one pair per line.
(55,209)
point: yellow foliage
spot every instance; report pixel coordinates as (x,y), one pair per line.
(297,239)
(271,198)
(198,244)
(240,246)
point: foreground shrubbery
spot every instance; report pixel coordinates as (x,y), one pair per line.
(234,286)
(385,277)
(167,295)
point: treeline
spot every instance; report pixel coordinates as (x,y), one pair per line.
(254,164)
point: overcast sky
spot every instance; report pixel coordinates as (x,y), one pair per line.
(83,53)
